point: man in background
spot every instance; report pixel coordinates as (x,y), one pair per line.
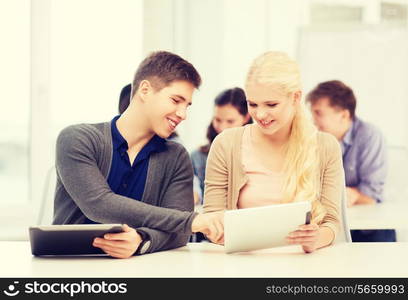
(333,106)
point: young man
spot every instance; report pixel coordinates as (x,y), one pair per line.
(124,171)
(124,100)
(333,107)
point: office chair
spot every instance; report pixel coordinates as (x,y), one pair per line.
(46,211)
(344,235)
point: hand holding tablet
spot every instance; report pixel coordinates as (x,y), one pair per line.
(69,239)
(123,244)
(306,235)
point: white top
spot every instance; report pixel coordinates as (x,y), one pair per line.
(209,260)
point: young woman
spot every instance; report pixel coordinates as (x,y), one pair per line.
(230,110)
(280,158)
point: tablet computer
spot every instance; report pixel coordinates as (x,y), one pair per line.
(263,227)
(69,239)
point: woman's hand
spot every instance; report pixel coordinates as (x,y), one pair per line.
(307,236)
(119,245)
(211,224)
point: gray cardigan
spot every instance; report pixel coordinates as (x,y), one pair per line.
(83,160)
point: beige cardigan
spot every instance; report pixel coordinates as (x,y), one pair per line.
(225,175)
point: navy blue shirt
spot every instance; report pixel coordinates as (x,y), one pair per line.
(126,179)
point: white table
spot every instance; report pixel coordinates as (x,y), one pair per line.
(209,260)
(379,216)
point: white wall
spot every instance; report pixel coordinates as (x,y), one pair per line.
(373,61)
(95,47)
(80,53)
(220,38)
(14,100)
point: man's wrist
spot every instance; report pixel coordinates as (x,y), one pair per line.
(144,244)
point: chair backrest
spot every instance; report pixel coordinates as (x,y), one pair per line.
(344,235)
(46,211)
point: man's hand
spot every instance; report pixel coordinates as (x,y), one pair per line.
(352,196)
(211,224)
(307,236)
(119,245)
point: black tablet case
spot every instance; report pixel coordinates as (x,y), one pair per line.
(67,242)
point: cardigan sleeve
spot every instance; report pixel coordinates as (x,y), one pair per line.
(216,177)
(332,182)
(179,196)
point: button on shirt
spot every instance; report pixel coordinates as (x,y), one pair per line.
(126,179)
(364,159)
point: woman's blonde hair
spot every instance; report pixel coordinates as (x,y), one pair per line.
(302,163)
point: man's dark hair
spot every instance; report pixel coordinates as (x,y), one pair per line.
(162,68)
(339,95)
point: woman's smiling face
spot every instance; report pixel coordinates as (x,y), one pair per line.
(270,107)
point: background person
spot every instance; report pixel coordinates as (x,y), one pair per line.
(230,110)
(364,151)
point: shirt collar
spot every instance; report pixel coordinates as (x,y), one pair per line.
(117,139)
(348,137)
(156,143)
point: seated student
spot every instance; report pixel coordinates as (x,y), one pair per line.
(124,171)
(124,100)
(280,158)
(230,110)
(333,106)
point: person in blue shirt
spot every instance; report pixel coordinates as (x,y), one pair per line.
(230,110)
(124,101)
(333,106)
